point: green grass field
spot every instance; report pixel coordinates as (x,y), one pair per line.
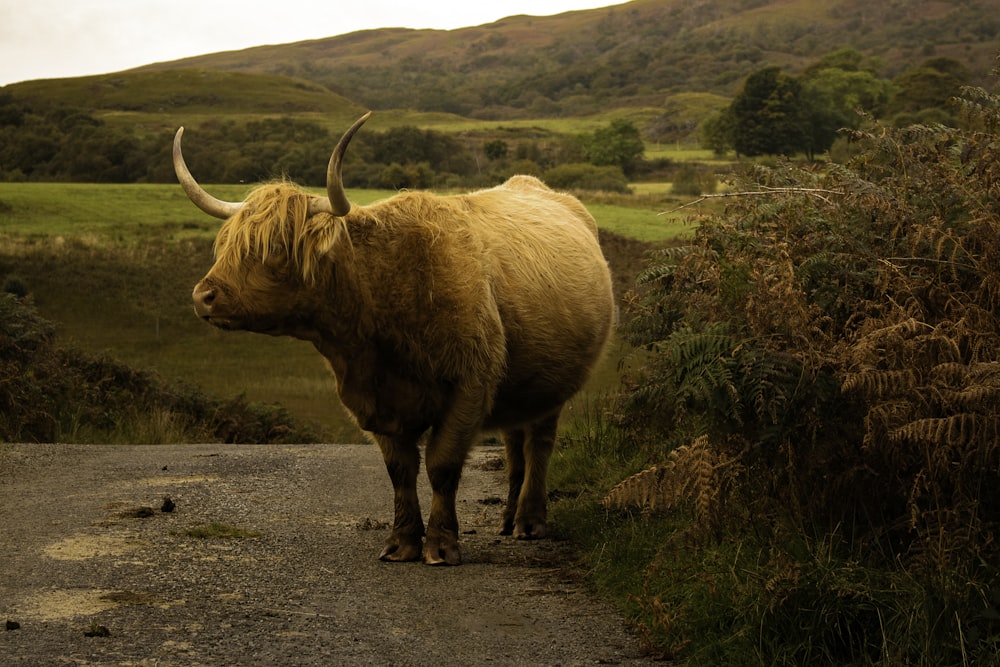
(128,214)
(113,266)
(117,213)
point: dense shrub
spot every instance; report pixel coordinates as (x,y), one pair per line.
(583,176)
(16,286)
(53,394)
(692,180)
(822,389)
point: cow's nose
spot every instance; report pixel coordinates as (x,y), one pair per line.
(203,298)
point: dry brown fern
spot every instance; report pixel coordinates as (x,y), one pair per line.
(648,489)
(695,475)
(953,431)
(879,382)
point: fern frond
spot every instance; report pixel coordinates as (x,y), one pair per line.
(875,383)
(644,489)
(972,398)
(655,272)
(702,365)
(952,431)
(664,261)
(770,381)
(695,475)
(985,373)
(911,326)
(951,372)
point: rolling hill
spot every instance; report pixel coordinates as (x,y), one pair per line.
(665,65)
(190,89)
(629,55)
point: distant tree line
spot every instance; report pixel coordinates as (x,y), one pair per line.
(72,145)
(777,113)
(67,144)
(774,113)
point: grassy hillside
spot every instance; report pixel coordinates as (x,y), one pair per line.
(164,100)
(629,55)
(186,90)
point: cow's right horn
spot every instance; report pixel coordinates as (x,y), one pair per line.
(200,198)
(338,203)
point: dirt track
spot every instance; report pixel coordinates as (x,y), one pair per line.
(78,555)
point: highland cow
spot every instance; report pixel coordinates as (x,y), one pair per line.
(445,315)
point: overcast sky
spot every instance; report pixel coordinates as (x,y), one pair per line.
(41,39)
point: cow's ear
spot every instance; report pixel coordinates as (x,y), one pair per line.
(326,234)
(321,237)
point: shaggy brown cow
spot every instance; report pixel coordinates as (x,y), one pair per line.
(450,314)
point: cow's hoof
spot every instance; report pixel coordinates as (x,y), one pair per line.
(530,530)
(400,549)
(442,551)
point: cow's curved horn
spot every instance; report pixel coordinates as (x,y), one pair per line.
(200,198)
(337,202)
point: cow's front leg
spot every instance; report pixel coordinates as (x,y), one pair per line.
(446,453)
(402,461)
(441,546)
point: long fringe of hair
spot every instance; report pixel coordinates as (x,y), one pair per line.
(274,220)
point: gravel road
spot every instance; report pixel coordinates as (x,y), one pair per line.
(93,572)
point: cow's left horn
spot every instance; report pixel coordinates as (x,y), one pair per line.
(200,198)
(337,202)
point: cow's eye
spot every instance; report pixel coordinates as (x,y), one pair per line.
(276,259)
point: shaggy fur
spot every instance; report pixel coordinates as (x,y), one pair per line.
(448,314)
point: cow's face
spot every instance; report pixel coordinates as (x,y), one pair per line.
(270,270)
(269,254)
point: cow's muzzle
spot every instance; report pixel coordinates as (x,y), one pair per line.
(203,297)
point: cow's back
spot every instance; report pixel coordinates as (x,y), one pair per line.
(508,285)
(553,290)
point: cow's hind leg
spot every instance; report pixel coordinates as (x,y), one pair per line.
(526,515)
(402,461)
(513,440)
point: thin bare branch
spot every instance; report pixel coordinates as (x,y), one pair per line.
(815,192)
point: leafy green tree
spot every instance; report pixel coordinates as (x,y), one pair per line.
(411,145)
(397,176)
(26,152)
(616,145)
(832,98)
(584,176)
(929,86)
(495,149)
(12,112)
(769,115)
(717,131)
(846,59)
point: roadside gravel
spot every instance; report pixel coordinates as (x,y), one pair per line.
(93,572)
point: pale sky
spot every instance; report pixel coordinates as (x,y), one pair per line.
(43,39)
